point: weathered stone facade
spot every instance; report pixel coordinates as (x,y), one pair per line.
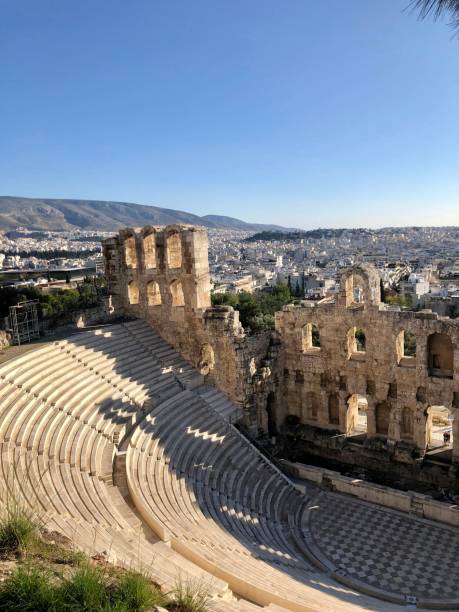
(323,385)
(332,364)
(161,274)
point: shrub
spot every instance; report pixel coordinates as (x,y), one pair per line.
(189,596)
(28,589)
(135,592)
(17,529)
(87,590)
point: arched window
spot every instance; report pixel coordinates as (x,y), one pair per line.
(149,250)
(406,347)
(356,341)
(133,292)
(130,252)
(312,406)
(153,294)
(382,417)
(310,337)
(174,250)
(333,409)
(355,289)
(440,355)
(177,293)
(360,340)
(356,417)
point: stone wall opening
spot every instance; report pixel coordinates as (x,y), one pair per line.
(333,409)
(407,423)
(356,341)
(409,344)
(149,250)
(357,415)
(270,410)
(130,252)
(355,290)
(177,296)
(440,355)
(382,418)
(311,407)
(174,250)
(439,428)
(153,294)
(310,337)
(133,292)
(406,347)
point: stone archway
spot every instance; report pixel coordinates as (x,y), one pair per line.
(382,418)
(333,409)
(440,355)
(356,417)
(439,427)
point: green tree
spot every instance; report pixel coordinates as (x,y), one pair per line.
(256,310)
(438,8)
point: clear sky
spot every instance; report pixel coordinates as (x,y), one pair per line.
(306,113)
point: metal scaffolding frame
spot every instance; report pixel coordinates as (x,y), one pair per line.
(23,320)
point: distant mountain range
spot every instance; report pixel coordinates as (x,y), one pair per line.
(47,214)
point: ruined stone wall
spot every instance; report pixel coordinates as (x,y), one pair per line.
(320,385)
(324,360)
(161,274)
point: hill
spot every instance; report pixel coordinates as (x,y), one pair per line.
(321,233)
(50,214)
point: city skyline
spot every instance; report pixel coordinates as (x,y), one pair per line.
(306,116)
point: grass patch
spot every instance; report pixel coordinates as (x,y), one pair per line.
(18,530)
(52,577)
(28,589)
(86,590)
(189,596)
(136,592)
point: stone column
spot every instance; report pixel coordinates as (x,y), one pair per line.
(323,409)
(371,417)
(421,427)
(342,412)
(394,422)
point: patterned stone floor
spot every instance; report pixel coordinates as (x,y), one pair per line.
(387,549)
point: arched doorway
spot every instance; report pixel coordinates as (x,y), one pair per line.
(357,415)
(270,410)
(333,409)
(382,418)
(439,426)
(406,424)
(440,355)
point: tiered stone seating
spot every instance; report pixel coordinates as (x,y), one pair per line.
(197,483)
(209,507)
(56,454)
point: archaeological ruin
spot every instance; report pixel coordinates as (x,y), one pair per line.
(139,439)
(351,380)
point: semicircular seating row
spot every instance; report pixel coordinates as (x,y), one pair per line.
(220,507)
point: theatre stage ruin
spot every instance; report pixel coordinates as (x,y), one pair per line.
(351,380)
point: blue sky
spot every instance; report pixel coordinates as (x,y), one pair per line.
(305,113)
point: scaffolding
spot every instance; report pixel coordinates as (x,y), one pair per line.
(23,321)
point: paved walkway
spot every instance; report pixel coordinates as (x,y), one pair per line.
(387,549)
